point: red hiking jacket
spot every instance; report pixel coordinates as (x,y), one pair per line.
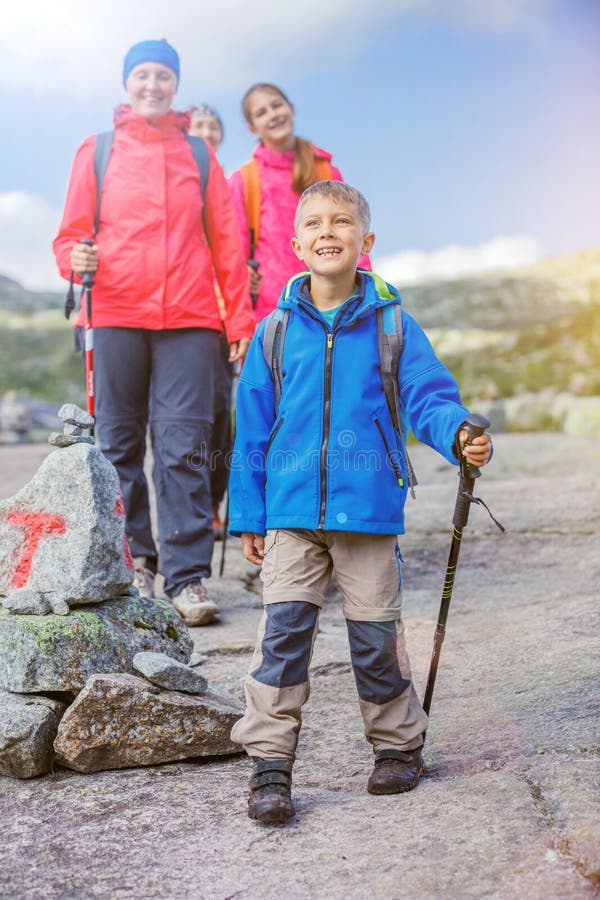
(156,263)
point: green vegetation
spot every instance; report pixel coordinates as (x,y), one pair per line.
(37,356)
(502,336)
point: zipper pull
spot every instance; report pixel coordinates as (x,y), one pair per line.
(329,340)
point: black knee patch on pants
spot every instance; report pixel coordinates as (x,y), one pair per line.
(375,661)
(287,643)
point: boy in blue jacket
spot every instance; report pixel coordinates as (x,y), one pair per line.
(318,484)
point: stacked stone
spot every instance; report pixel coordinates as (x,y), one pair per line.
(77,428)
(75,636)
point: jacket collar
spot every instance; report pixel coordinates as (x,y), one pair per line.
(371,293)
(283,160)
(150,129)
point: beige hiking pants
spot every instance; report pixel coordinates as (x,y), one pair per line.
(296,572)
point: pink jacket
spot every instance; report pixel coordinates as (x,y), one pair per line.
(155,261)
(278,261)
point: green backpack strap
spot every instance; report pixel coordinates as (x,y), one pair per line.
(390,344)
(273,340)
(103,148)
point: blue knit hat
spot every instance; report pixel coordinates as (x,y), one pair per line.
(151,51)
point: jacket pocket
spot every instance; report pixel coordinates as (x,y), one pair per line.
(392,461)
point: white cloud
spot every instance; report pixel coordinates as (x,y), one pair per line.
(66,48)
(454,261)
(27,228)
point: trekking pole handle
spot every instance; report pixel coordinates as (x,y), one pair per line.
(475,424)
(87,279)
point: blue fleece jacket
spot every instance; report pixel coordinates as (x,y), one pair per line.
(331,458)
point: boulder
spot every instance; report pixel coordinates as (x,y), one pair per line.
(63,533)
(119,721)
(59,653)
(28,726)
(169,673)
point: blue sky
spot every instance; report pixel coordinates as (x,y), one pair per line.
(472,126)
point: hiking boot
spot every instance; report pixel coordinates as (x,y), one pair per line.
(270,799)
(144,577)
(194,605)
(396,771)
(218,527)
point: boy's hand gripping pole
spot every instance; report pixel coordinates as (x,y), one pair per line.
(88,282)
(475,425)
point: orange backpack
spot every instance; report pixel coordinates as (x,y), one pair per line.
(251,180)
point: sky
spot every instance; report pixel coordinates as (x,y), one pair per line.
(471,126)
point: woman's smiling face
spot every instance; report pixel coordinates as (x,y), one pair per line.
(151,88)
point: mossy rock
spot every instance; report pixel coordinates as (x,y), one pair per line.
(60,653)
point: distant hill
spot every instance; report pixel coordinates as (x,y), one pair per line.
(36,346)
(525,332)
(530,330)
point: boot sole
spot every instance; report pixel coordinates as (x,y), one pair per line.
(271,815)
(395,788)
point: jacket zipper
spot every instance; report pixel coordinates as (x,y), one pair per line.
(326,423)
(397,471)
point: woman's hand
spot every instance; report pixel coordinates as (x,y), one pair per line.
(238,349)
(84,258)
(255,280)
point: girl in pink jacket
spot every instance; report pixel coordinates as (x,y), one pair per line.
(283,166)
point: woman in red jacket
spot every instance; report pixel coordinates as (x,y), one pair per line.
(156,318)
(266,191)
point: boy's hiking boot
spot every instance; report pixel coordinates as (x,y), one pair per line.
(396,771)
(195,606)
(270,799)
(144,576)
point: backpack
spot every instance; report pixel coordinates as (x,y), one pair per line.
(389,344)
(102,150)
(251,180)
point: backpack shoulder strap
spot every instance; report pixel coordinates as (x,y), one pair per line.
(102,151)
(322,169)
(390,343)
(273,341)
(202,159)
(251,180)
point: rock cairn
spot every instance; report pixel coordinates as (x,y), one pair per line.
(92,675)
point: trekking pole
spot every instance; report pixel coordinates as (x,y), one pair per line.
(88,283)
(225,530)
(475,425)
(254,264)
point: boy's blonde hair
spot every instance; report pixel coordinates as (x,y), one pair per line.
(340,192)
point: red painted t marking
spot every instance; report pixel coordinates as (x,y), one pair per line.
(35,525)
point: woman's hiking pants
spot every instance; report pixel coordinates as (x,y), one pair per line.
(164,379)
(297,568)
